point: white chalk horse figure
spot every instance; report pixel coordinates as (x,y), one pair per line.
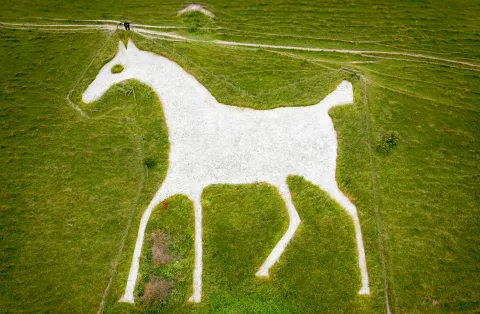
(213,143)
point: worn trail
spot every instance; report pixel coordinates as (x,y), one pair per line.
(145,29)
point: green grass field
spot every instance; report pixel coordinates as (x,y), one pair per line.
(73,188)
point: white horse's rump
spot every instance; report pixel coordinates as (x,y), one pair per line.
(212,143)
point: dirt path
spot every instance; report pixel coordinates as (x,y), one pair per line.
(415,55)
(152,32)
(142,29)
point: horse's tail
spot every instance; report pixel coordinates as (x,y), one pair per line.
(342,95)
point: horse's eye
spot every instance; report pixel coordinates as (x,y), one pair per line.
(117,68)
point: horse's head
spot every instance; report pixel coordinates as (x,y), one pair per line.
(119,69)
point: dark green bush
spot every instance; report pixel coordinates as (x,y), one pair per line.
(150,162)
(388,141)
(194,20)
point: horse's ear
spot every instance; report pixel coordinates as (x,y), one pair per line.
(131,46)
(121,47)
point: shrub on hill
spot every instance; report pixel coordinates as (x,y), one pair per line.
(388,141)
(150,162)
(195,20)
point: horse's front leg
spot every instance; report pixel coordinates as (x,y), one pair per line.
(127,297)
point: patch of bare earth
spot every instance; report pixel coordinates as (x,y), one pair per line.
(157,289)
(160,254)
(198,8)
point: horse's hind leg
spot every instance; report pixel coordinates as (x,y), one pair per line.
(292,227)
(132,275)
(338,196)
(197,272)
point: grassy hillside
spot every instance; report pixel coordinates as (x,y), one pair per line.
(73,188)
(447,28)
(68,185)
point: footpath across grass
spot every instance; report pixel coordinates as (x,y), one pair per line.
(445,28)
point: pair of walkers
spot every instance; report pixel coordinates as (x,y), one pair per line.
(126,25)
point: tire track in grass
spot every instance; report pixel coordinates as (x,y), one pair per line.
(347,51)
(419,97)
(364,77)
(375,194)
(416,61)
(55,30)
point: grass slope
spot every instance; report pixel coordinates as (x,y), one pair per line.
(421,194)
(67,183)
(447,28)
(429,203)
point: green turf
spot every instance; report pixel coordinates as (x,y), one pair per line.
(70,184)
(175,218)
(429,204)
(447,28)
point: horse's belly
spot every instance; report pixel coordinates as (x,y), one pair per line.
(258,161)
(255,148)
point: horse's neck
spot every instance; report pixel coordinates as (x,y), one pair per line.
(178,90)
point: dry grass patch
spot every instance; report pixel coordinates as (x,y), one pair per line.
(157,289)
(160,253)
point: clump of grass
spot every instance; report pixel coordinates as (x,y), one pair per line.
(117,68)
(388,141)
(194,21)
(150,162)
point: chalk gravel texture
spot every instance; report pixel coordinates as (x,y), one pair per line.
(211,143)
